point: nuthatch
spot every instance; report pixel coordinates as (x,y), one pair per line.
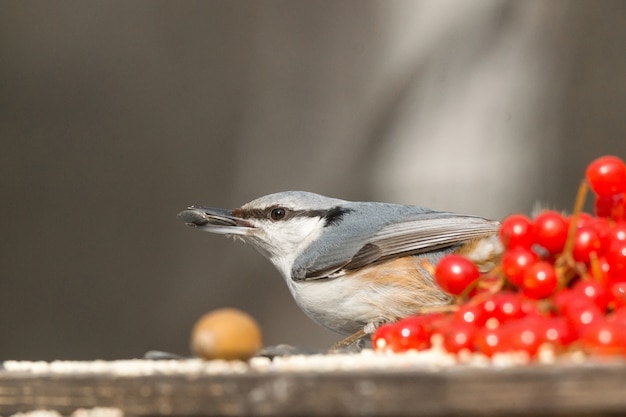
(352,266)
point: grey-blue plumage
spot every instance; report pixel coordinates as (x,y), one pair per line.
(353,265)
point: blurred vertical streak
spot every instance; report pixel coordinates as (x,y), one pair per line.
(480,103)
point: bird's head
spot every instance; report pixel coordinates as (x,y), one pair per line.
(280,225)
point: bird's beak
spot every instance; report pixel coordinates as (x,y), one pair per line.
(215,220)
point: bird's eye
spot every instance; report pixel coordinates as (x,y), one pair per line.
(278,213)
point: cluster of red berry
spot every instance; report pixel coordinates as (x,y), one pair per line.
(560,284)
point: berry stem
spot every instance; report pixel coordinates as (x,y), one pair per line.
(596,269)
(581,196)
(565,264)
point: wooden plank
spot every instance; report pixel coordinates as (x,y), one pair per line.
(547,390)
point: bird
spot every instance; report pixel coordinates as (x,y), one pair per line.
(352,266)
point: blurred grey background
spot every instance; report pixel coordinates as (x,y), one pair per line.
(116,115)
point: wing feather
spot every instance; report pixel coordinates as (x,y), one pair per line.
(424,235)
(425,232)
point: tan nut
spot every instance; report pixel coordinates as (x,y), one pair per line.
(226,333)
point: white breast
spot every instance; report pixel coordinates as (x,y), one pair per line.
(337,304)
(376,294)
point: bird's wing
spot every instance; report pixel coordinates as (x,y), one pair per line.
(424,233)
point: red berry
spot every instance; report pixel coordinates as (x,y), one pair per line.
(515,262)
(550,231)
(581,311)
(415,332)
(605,229)
(615,233)
(612,206)
(473,314)
(607,176)
(504,306)
(458,336)
(412,335)
(525,335)
(386,337)
(589,313)
(516,230)
(530,307)
(559,330)
(454,274)
(616,258)
(562,300)
(595,291)
(618,295)
(586,242)
(584,219)
(603,206)
(603,337)
(540,281)
(489,341)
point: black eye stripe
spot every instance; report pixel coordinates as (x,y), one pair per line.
(331,216)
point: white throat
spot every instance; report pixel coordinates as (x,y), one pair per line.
(282,243)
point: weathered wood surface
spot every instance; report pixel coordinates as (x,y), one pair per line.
(575,390)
